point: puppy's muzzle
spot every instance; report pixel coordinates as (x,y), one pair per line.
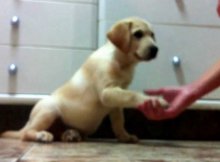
(153,50)
(150,53)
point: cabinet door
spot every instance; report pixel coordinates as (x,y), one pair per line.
(39,71)
(54,24)
(197,48)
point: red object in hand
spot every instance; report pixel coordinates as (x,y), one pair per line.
(218,8)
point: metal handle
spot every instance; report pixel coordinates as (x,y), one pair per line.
(12,69)
(176,61)
(15,21)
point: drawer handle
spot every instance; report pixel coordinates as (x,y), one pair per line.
(176,61)
(15,21)
(12,69)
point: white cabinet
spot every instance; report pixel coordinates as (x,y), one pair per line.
(64,25)
(45,45)
(189,29)
(39,71)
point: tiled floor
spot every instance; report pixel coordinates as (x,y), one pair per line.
(110,151)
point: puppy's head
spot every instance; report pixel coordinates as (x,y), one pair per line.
(134,37)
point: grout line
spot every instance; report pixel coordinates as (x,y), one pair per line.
(187,25)
(48,47)
(64,1)
(28,150)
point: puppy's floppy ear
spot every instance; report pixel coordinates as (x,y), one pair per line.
(120,35)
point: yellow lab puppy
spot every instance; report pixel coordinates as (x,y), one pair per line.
(97,89)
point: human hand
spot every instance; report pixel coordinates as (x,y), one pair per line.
(177,97)
(218,8)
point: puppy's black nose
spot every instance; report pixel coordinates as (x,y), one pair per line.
(153,51)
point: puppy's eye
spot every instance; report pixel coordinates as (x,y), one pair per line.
(138,34)
(152,35)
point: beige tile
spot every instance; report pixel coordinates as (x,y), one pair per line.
(110,151)
(12,150)
(146,151)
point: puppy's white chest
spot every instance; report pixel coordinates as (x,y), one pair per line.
(125,78)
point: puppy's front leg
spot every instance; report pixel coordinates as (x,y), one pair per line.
(118,97)
(117,121)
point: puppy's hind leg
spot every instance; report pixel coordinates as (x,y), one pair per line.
(40,136)
(71,135)
(11,134)
(29,134)
(41,118)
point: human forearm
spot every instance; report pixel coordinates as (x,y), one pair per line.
(208,82)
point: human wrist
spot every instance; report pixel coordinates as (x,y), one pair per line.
(195,90)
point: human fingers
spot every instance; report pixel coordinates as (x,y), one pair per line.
(152,110)
(154,91)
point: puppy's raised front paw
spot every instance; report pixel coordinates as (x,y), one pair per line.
(44,136)
(71,135)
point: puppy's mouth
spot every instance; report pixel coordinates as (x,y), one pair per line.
(150,54)
(138,57)
(148,57)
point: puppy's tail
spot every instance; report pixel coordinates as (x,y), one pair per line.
(11,134)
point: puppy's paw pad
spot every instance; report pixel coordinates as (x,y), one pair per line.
(71,135)
(44,136)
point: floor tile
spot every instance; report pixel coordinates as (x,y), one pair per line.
(145,151)
(110,151)
(12,150)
